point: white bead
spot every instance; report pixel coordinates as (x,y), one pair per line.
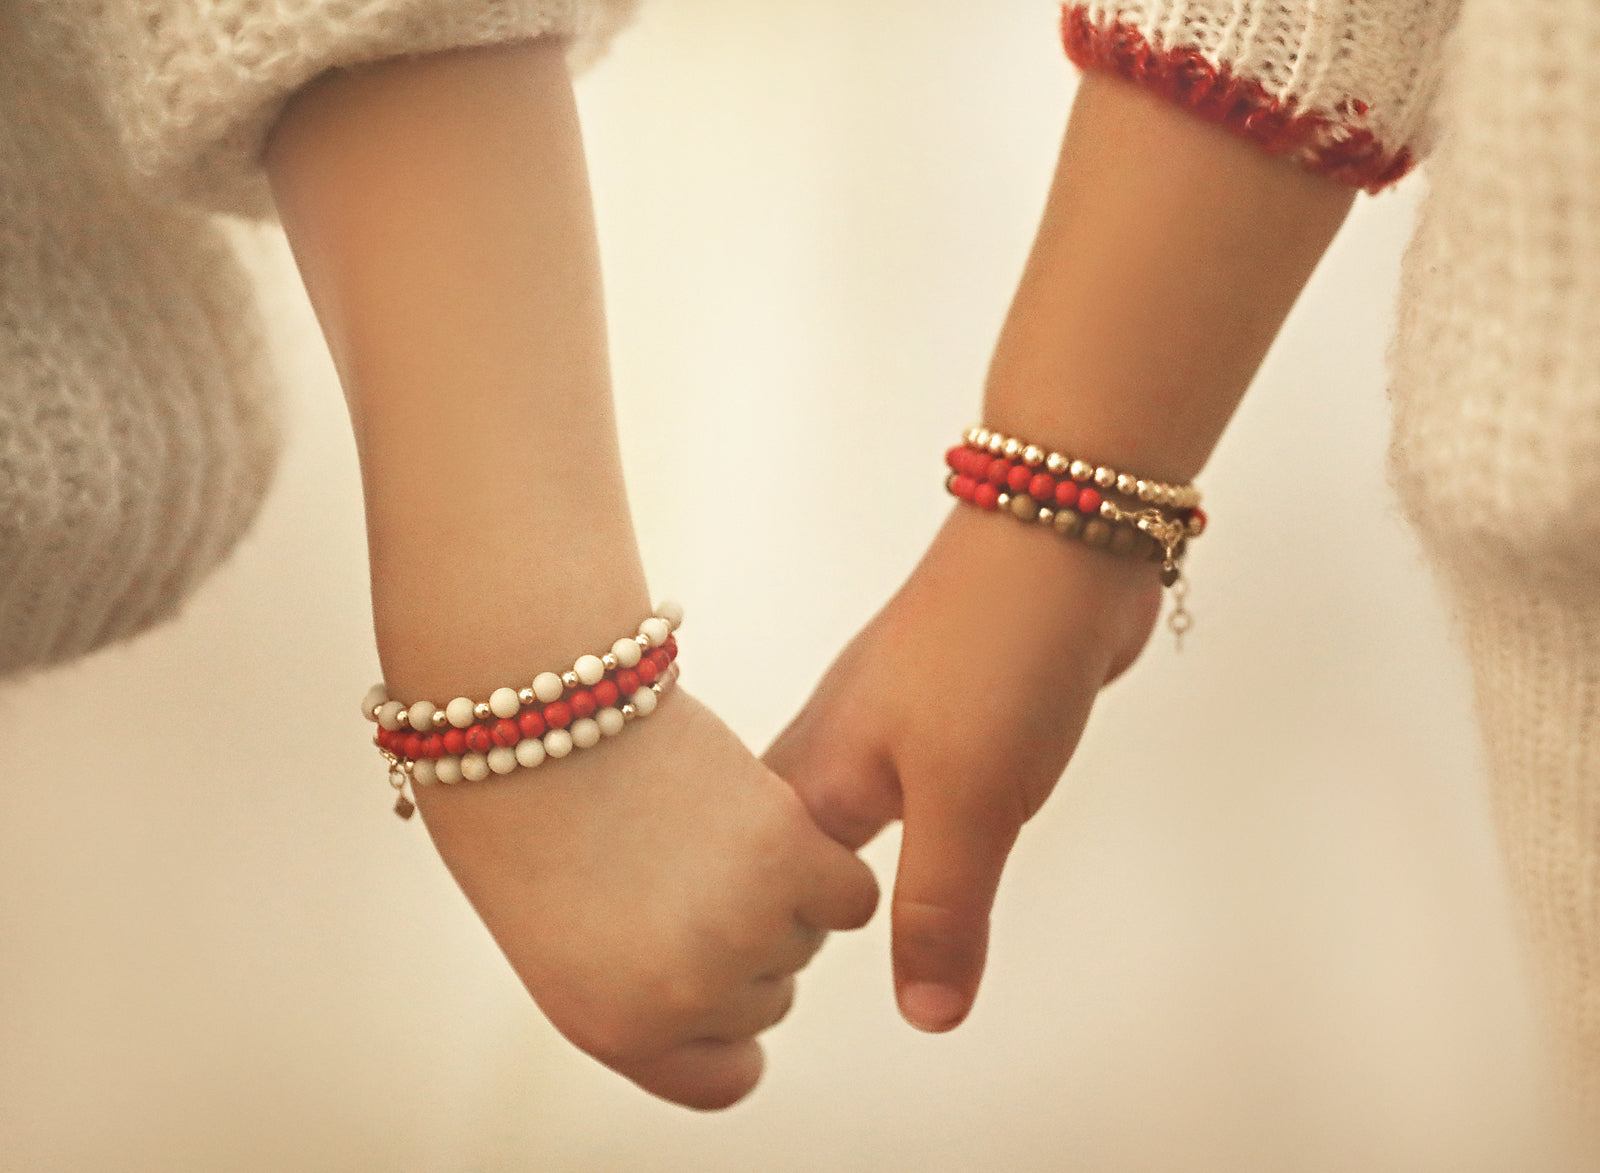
(424,772)
(389,715)
(558,743)
(589,669)
(376,695)
(421,715)
(460,712)
(530,752)
(547,687)
(502,759)
(610,721)
(585,732)
(656,629)
(643,702)
(503,702)
(474,767)
(626,651)
(448,770)
(672,612)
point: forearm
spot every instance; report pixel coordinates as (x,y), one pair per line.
(1169,254)
(439,210)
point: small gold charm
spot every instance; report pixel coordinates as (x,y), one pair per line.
(404,807)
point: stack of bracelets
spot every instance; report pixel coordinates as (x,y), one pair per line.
(514,728)
(1091,503)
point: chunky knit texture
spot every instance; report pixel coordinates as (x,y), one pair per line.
(1495,378)
(1345,88)
(192,86)
(137,419)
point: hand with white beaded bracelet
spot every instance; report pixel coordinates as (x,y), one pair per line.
(656,893)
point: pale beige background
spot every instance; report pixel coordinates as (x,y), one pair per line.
(1260,926)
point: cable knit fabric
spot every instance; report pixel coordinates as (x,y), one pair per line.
(1495,380)
(138,424)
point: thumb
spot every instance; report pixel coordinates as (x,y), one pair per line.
(848,785)
(952,852)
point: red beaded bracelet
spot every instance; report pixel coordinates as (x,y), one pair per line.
(995,472)
(520,727)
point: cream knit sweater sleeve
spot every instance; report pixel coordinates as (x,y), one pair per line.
(1344,86)
(190,87)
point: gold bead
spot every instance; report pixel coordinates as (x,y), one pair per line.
(1109,511)
(629,712)
(439,719)
(526,696)
(1125,484)
(1141,490)
(1032,455)
(1105,477)
(643,641)
(482,711)
(1046,515)
(1081,470)
(996,442)
(609,661)
(1023,506)
(971,435)
(1003,500)
(1096,532)
(1057,463)
(1122,540)
(1013,448)
(1068,523)
(403,719)
(570,678)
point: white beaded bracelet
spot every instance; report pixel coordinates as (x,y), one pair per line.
(516,728)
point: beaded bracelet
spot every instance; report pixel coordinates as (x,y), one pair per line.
(994,472)
(548,718)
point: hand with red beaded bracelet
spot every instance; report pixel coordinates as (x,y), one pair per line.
(1168,256)
(656,892)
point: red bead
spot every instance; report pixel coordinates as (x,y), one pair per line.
(986,496)
(962,487)
(385,739)
(1042,486)
(531,723)
(1088,500)
(505,732)
(605,693)
(999,469)
(433,746)
(955,458)
(412,746)
(627,681)
(1019,476)
(672,648)
(455,741)
(558,715)
(478,739)
(1198,516)
(583,703)
(647,671)
(1066,495)
(661,660)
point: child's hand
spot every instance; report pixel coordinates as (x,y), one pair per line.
(956,710)
(656,895)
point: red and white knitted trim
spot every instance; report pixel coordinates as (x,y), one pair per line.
(1334,143)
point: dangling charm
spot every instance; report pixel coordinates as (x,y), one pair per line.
(399,779)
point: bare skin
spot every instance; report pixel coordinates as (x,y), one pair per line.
(1168,256)
(657,893)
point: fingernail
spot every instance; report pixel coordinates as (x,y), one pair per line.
(930,1007)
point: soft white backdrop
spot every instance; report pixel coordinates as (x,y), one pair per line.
(1259,927)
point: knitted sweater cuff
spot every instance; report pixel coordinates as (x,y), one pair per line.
(1343,87)
(191,89)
